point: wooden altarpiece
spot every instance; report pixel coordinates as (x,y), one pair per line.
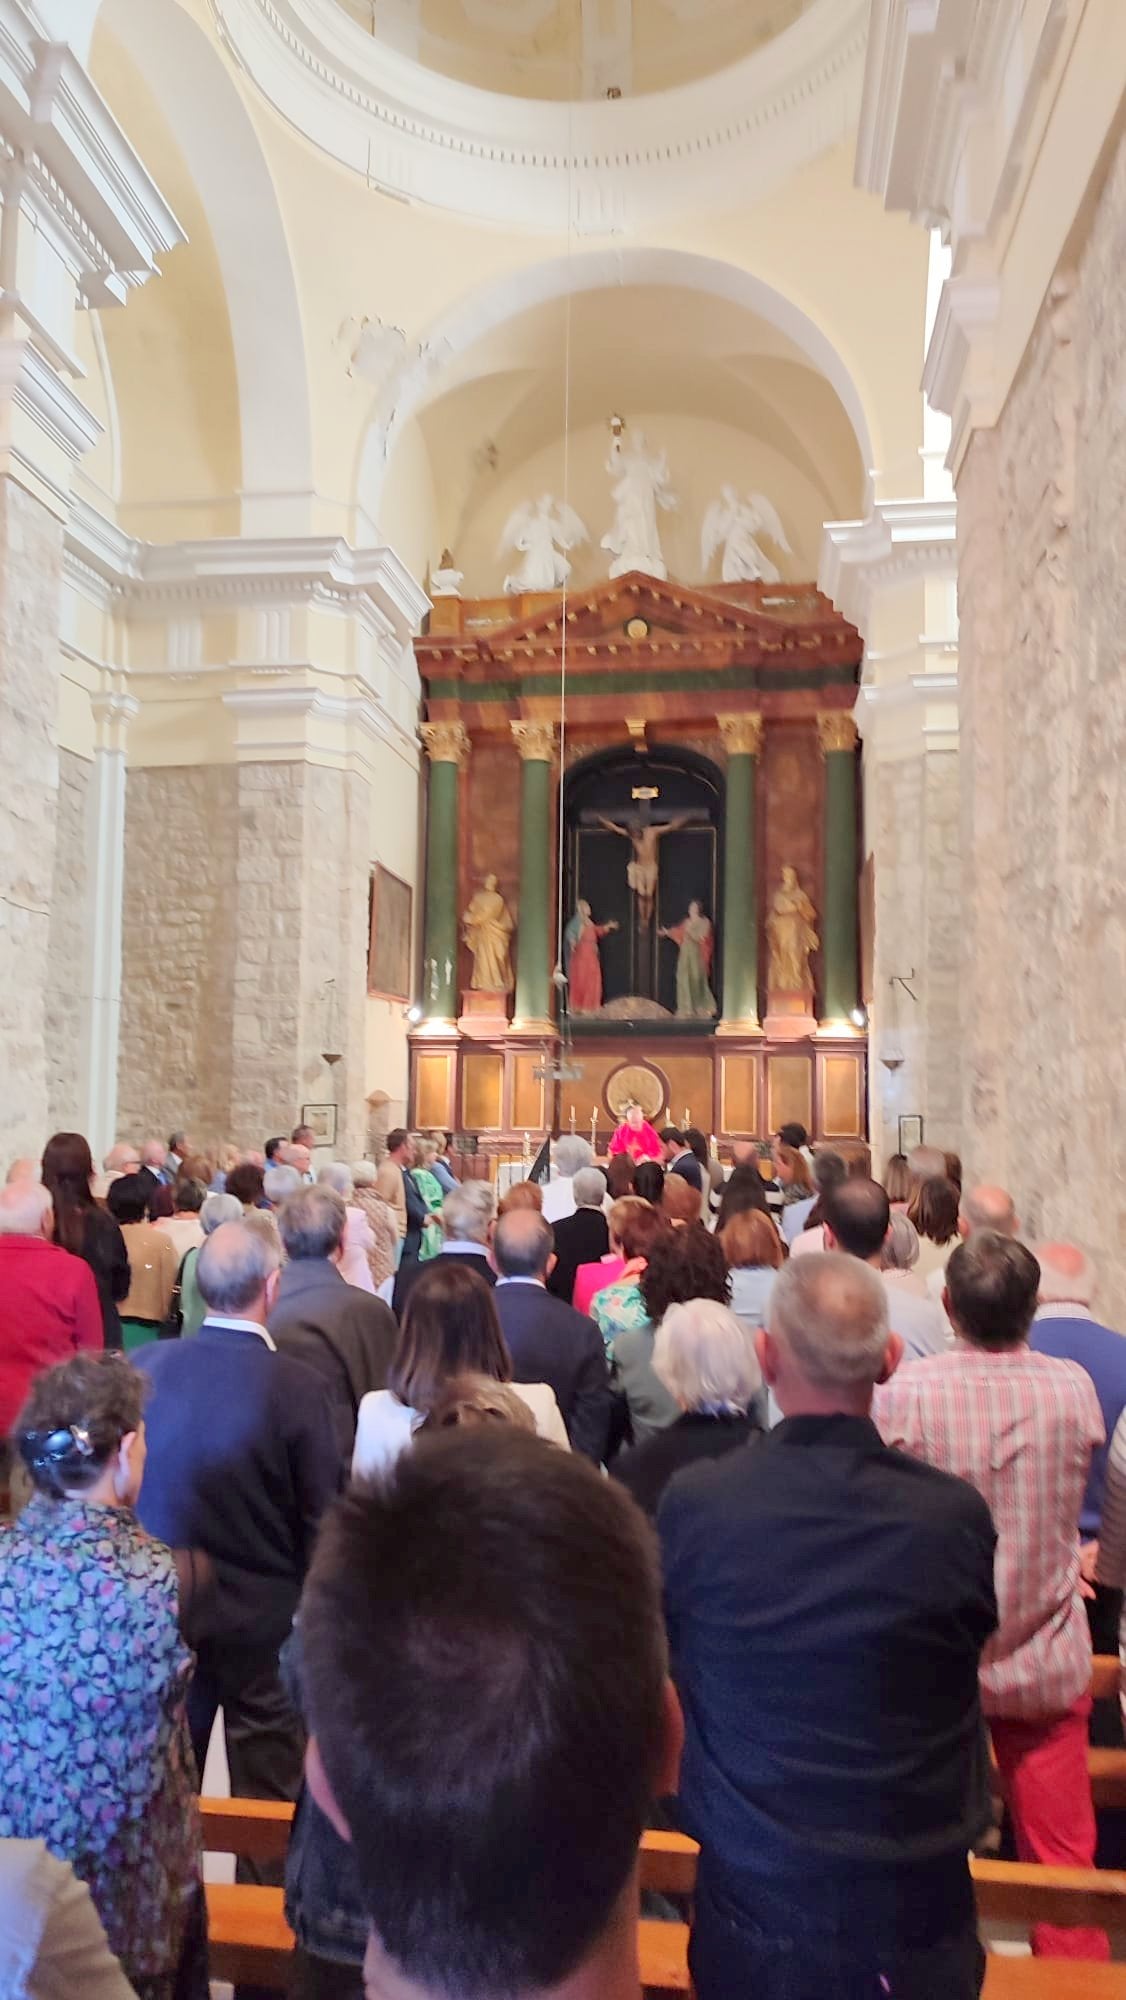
(650,668)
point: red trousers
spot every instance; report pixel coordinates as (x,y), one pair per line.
(1044,1783)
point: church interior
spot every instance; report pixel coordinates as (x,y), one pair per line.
(558,565)
(271,459)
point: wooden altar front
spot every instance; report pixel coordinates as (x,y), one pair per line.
(753,682)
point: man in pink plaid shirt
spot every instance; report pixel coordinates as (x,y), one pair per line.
(1021,1427)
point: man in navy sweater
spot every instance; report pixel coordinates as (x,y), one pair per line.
(242,1460)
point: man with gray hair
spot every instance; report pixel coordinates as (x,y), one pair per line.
(467,1222)
(568,1154)
(581,1238)
(49,1306)
(548,1340)
(278,1183)
(827,1601)
(243,1458)
(345,1334)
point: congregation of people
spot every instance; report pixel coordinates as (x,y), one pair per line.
(761,1499)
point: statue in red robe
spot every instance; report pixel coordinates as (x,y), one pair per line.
(582,963)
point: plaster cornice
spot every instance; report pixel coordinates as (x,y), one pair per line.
(198,576)
(595,167)
(897,540)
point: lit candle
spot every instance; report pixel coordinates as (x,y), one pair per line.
(688,1114)
(594,1131)
(572,1117)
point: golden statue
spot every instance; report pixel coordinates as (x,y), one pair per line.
(790,932)
(488,932)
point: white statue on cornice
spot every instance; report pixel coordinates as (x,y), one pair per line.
(641,485)
(734,524)
(541,530)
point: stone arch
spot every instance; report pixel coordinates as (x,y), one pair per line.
(214,131)
(420,370)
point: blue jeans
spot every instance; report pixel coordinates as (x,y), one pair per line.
(791,1953)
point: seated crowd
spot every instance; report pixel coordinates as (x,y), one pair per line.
(754,1503)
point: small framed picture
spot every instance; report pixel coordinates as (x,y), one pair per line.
(321,1120)
(910,1132)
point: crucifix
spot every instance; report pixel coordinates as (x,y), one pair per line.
(644,831)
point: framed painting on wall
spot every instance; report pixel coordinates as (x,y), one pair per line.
(910,1131)
(321,1120)
(389,935)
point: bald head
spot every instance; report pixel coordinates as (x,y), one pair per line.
(234,1271)
(153,1155)
(1067,1275)
(25,1169)
(744,1153)
(827,1342)
(522,1244)
(25,1209)
(987,1207)
(122,1158)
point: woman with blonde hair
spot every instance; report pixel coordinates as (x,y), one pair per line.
(704,1356)
(754,1252)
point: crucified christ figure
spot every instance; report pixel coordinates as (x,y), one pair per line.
(641,873)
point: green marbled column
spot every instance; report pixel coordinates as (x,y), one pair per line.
(839,929)
(534,741)
(742,735)
(447,745)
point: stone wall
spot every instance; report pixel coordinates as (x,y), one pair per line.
(31,547)
(66,1012)
(178,951)
(246,894)
(913,817)
(1043,610)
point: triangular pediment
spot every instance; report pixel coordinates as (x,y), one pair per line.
(609,609)
(637,609)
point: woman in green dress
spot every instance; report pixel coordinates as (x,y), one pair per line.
(430,1188)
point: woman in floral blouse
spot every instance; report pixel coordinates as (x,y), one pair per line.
(94,1752)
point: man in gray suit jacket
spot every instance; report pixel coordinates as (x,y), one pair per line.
(346,1334)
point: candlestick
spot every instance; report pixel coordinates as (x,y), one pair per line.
(594,1131)
(572,1117)
(527,1153)
(688,1114)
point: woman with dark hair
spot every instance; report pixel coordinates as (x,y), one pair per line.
(95,1758)
(683,1264)
(934,1212)
(709,1165)
(649,1181)
(85,1229)
(744,1190)
(450,1327)
(153,1262)
(791,1171)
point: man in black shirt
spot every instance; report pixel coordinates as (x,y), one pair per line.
(827,1603)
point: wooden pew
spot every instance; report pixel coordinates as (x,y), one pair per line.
(250,1939)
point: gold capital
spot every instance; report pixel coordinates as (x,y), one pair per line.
(742,734)
(836,730)
(446,742)
(534,740)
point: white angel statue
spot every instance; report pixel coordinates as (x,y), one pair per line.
(735,523)
(641,485)
(541,530)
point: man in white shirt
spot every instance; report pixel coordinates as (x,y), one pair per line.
(857,1219)
(568,1154)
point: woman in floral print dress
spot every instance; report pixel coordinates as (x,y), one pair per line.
(94,1751)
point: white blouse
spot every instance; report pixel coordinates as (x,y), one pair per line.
(384,1426)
